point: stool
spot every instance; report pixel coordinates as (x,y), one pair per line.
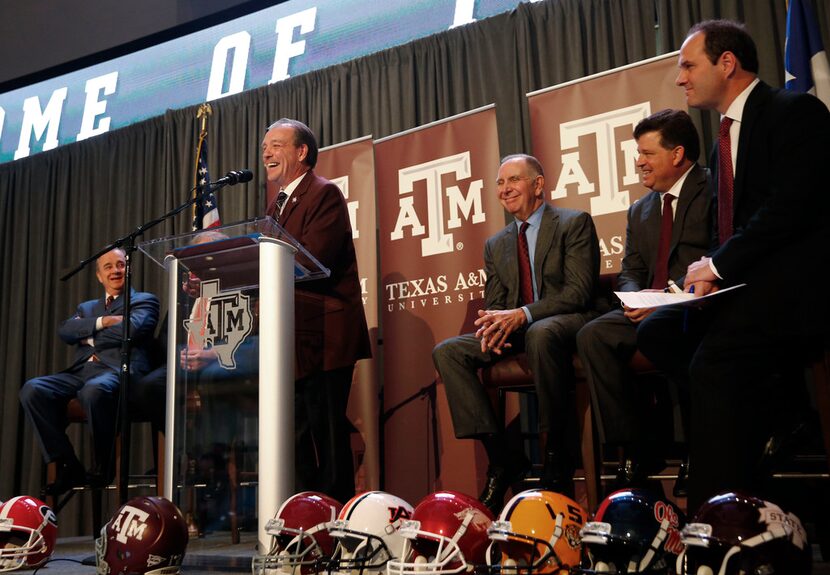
(75,414)
(820,366)
(512,374)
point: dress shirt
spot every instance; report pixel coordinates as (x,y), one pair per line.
(675,191)
(99,321)
(289,189)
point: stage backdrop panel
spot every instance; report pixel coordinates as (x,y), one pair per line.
(437,204)
(581,132)
(351,165)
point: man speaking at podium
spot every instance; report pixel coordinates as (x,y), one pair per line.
(330,325)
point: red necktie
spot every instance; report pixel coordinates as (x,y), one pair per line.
(661,269)
(726,181)
(525,275)
(108,302)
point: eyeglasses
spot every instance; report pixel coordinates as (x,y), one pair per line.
(513,180)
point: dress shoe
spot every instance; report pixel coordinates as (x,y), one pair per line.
(70,473)
(99,477)
(680,488)
(781,447)
(634,473)
(557,474)
(499,479)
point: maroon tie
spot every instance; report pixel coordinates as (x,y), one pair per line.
(525,275)
(661,269)
(108,302)
(726,181)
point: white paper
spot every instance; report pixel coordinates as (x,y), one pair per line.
(638,299)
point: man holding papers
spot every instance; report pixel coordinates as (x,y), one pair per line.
(769,175)
(667,230)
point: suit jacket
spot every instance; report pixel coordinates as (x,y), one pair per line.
(781,202)
(691,233)
(566,263)
(330,324)
(144,315)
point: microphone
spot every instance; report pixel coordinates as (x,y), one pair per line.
(234,177)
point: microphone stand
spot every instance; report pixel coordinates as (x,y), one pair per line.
(128,244)
(428,392)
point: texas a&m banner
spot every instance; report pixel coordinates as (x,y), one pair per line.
(437,204)
(351,165)
(582,135)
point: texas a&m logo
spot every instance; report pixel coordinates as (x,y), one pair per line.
(607,195)
(343,183)
(461,204)
(221,321)
(130,522)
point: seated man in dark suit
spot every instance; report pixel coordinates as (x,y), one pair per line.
(667,230)
(542,272)
(96,331)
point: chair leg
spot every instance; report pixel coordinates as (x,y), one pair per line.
(160,463)
(97,511)
(821,381)
(233,482)
(590,463)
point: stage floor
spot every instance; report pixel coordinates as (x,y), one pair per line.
(215,555)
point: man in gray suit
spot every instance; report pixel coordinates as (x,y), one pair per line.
(542,273)
(679,203)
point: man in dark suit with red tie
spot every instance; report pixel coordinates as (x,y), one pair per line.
(667,229)
(96,332)
(744,349)
(542,271)
(330,324)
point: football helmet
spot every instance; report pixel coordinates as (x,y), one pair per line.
(447,534)
(738,533)
(299,535)
(147,535)
(537,532)
(633,531)
(367,532)
(28,530)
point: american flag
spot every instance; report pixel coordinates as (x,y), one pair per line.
(805,60)
(206,211)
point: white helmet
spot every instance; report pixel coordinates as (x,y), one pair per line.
(367,532)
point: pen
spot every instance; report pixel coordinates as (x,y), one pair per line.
(673,288)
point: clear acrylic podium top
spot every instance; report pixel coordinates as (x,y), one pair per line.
(230,253)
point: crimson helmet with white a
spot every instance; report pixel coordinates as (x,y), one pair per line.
(299,535)
(447,534)
(367,532)
(738,533)
(146,536)
(28,530)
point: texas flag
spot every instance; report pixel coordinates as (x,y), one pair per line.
(805,61)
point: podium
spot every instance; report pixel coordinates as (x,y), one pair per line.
(230,376)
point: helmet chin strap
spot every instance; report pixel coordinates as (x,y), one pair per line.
(776,531)
(659,537)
